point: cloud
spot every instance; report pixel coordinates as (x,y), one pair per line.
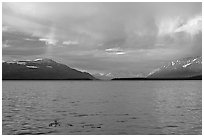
(22,44)
(5,28)
(49,41)
(29,39)
(23,52)
(104,34)
(192,27)
(116,51)
(171,26)
(167,26)
(5,45)
(70,42)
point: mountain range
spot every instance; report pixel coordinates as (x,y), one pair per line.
(186,68)
(183,68)
(41,69)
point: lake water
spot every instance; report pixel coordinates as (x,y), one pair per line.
(102,107)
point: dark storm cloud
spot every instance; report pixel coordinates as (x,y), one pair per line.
(18,43)
(24,52)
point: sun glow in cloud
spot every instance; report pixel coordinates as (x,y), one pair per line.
(48,41)
(192,27)
(170,26)
(167,26)
(116,51)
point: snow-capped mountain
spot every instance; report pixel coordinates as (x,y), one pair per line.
(183,68)
(103,76)
(41,69)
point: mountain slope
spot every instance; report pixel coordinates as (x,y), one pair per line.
(184,68)
(41,69)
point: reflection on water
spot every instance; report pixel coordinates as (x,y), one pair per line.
(114,107)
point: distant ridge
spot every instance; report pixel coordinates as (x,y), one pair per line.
(47,69)
(189,78)
(41,69)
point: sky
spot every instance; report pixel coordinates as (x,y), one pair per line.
(121,39)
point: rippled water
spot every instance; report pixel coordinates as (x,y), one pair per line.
(97,107)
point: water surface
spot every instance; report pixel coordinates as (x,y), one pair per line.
(100,107)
